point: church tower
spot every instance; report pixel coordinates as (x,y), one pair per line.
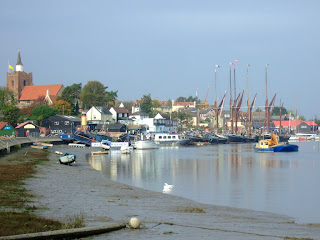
(18,79)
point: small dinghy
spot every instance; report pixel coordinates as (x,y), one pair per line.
(67,159)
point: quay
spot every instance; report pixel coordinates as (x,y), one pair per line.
(7,143)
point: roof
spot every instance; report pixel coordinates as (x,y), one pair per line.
(70,118)
(286,123)
(19,59)
(25,123)
(103,110)
(185,104)
(139,114)
(3,124)
(34,92)
(120,110)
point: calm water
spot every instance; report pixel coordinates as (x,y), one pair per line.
(227,174)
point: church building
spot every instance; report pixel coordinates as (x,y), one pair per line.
(26,92)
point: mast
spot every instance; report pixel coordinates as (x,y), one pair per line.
(280,116)
(215,102)
(197,107)
(248,103)
(231,112)
(235,93)
(267,103)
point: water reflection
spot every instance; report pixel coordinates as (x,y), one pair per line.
(230,175)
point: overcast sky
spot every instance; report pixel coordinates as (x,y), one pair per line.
(169,48)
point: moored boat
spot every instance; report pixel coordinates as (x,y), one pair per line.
(145,144)
(272,145)
(171,139)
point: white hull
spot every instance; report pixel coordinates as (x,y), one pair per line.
(145,145)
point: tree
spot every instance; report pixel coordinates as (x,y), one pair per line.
(181,99)
(63,107)
(276,111)
(9,112)
(11,115)
(42,112)
(146,104)
(71,95)
(258,110)
(94,94)
(111,98)
(191,99)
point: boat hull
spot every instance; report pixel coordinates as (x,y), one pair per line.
(141,145)
(278,148)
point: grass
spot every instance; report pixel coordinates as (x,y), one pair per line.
(16,215)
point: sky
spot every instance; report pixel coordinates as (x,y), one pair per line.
(170,48)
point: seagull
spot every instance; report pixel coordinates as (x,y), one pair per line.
(167,187)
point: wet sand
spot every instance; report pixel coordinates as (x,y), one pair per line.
(64,191)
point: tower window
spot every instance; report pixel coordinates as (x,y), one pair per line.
(24,82)
(12,83)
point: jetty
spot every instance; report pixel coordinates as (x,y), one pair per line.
(7,143)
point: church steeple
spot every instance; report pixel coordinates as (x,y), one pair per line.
(19,65)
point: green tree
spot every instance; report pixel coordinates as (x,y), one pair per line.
(191,99)
(146,104)
(276,111)
(42,112)
(181,99)
(11,115)
(71,95)
(8,110)
(258,110)
(111,98)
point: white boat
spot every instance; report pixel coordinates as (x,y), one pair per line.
(302,137)
(125,150)
(171,138)
(113,145)
(145,144)
(67,158)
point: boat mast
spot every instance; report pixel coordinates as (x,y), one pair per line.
(280,117)
(248,102)
(215,102)
(267,103)
(231,103)
(235,93)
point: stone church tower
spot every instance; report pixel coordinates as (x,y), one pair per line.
(18,79)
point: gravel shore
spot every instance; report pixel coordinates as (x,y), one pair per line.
(64,191)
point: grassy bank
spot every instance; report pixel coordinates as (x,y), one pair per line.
(16,209)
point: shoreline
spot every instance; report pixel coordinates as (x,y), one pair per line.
(64,191)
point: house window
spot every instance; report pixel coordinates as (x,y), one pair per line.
(24,82)
(12,83)
(66,122)
(56,123)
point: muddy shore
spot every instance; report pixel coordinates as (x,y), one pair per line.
(64,191)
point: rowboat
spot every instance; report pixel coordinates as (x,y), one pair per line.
(67,158)
(99,152)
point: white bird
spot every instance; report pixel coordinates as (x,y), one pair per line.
(167,187)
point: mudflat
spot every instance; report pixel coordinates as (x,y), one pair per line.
(64,191)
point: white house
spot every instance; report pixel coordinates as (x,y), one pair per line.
(99,115)
(160,124)
(120,114)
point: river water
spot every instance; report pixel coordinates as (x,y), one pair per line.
(227,175)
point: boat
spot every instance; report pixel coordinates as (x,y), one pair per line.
(272,145)
(67,158)
(58,152)
(234,138)
(99,152)
(302,137)
(108,145)
(45,144)
(145,144)
(125,150)
(39,147)
(171,138)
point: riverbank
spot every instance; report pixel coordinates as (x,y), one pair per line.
(70,190)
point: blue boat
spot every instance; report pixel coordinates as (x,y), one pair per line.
(272,145)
